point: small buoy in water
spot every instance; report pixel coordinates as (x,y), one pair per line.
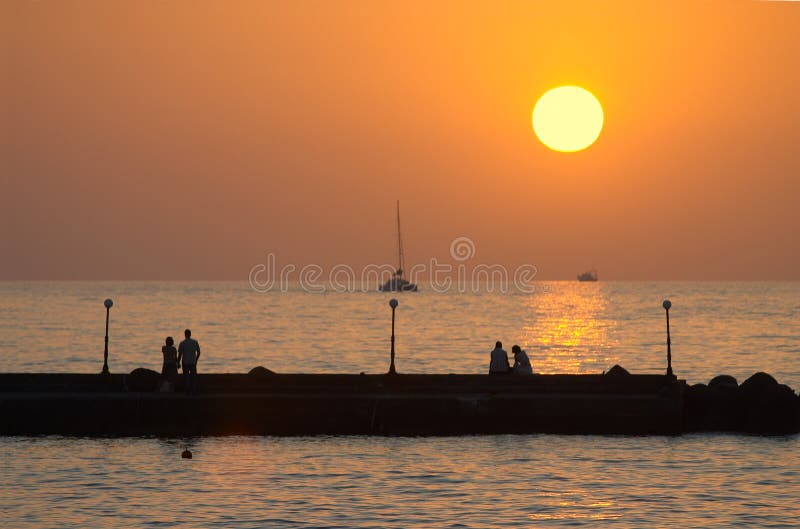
(186,454)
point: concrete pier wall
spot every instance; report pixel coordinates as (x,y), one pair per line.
(232,404)
(264,403)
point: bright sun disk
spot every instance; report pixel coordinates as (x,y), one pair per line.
(567,118)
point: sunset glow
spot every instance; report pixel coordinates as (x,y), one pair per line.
(284,132)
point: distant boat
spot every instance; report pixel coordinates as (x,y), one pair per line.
(397,283)
(590,275)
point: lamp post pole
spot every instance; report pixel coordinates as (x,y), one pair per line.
(108,304)
(392,370)
(667,304)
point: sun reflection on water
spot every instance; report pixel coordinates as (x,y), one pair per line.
(575,320)
(573,505)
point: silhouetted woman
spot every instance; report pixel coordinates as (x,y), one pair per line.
(170,367)
(522,364)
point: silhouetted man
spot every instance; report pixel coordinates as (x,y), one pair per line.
(188,355)
(498,364)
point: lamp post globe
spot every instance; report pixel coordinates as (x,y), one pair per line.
(108,303)
(393,303)
(667,304)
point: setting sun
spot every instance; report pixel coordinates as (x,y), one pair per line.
(567,118)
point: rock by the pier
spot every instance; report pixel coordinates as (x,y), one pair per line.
(759,405)
(260,371)
(696,406)
(724,411)
(723,380)
(712,407)
(617,370)
(757,384)
(767,406)
(141,379)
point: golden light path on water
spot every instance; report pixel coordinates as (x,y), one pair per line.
(569,322)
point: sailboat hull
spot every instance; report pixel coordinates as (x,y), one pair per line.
(398,285)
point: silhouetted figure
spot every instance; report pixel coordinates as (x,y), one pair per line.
(169,369)
(522,364)
(498,364)
(188,355)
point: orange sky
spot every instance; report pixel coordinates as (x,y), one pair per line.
(184,140)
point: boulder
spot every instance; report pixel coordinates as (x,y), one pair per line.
(723,380)
(773,410)
(757,384)
(141,379)
(617,370)
(759,405)
(724,407)
(260,371)
(696,407)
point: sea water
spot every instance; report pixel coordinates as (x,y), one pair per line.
(708,480)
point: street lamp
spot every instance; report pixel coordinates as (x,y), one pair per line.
(108,304)
(392,303)
(667,304)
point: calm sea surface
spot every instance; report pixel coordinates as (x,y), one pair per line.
(490,481)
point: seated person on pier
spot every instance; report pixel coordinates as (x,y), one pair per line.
(498,365)
(522,364)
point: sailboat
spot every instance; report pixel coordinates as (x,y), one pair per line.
(397,283)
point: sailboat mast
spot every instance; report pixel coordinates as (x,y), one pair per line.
(401,257)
